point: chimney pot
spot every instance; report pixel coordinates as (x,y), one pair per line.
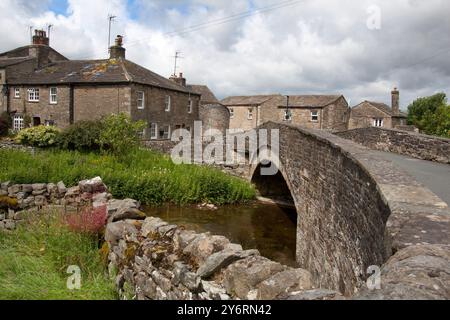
(40,38)
(117,51)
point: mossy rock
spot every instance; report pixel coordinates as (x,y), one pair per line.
(8,203)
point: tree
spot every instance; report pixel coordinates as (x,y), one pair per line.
(431,115)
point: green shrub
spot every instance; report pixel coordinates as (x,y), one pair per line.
(5,124)
(40,136)
(120,134)
(81,136)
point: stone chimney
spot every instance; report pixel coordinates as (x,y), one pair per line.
(180,80)
(395,101)
(117,51)
(40,38)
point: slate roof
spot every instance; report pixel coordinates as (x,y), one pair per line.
(247,100)
(310,101)
(208,96)
(6,62)
(380,106)
(106,71)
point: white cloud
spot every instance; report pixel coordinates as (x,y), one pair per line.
(314,46)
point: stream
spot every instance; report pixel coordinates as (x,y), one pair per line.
(266,227)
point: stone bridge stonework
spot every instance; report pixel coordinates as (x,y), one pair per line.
(412,144)
(355,209)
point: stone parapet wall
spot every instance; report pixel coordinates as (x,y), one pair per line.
(402,142)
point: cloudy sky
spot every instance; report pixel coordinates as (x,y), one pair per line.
(359,48)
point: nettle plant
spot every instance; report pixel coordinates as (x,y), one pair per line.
(120,133)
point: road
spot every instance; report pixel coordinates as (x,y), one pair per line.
(435,176)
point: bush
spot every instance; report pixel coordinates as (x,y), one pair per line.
(5,124)
(81,136)
(41,136)
(120,134)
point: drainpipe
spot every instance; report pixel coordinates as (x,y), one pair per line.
(71,105)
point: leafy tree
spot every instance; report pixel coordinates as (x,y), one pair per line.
(120,134)
(431,115)
(41,136)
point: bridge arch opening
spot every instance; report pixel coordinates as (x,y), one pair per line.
(274,189)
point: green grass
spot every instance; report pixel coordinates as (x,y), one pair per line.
(34,261)
(149,177)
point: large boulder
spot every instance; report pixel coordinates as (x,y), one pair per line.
(315,294)
(221,260)
(283,283)
(245,275)
(94,185)
(117,231)
(420,272)
(203,246)
(124,209)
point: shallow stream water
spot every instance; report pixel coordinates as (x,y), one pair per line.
(266,227)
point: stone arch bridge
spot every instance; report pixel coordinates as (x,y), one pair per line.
(355,208)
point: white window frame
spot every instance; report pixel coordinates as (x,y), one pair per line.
(231,113)
(33,95)
(168,136)
(378,123)
(53,97)
(16,93)
(287,115)
(140,100)
(190,106)
(315,116)
(250,112)
(168,103)
(18,123)
(154,134)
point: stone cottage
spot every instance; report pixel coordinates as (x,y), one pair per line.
(376,114)
(50,89)
(325,112)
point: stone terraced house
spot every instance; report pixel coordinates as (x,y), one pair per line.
(325,112)
(40,84)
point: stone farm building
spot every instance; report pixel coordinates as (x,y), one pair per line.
(377,114)
(42,85)
(325,112)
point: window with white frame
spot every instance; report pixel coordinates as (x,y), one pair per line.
(315,116)
(231,113)
(17,93)
(53,95)
(378,122)
(250,114)
(140,100)
(153,131)
(287,115)
(190,104)
(165,132)
(168,103)
(18,123)
(33,95)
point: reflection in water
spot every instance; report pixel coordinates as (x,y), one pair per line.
(266,227)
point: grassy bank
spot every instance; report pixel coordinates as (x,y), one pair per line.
(142,175)
(34,261)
